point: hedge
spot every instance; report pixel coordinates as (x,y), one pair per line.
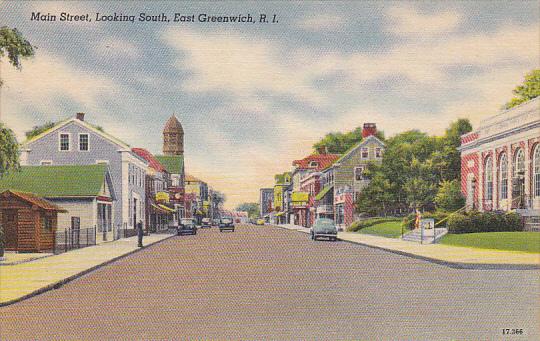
(474,222)
(360,224)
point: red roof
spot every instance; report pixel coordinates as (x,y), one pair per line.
(316,162)
(152,161)
(34,200)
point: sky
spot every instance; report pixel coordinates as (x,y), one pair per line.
(253,97)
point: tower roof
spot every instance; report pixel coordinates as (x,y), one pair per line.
(173,125)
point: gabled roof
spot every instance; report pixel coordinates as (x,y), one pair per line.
(84,124)
(358,145)
(173,164)
(191,178)
(323,161)
(57,181)
(34,200)
(153,162)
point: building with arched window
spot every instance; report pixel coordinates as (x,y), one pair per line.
(500,161)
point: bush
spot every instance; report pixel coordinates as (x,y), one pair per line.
(449,196)
(475,222)
(360,224)
(409,220)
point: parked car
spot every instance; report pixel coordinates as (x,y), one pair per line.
(260,222)
(187,226)
(226,224)
(206,222)
(325,228)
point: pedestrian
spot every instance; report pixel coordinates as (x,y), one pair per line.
(140,233)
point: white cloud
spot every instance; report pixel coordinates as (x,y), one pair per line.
(405,20)
(322,22)
(117,48)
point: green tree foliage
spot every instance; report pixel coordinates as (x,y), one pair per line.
(528,90)
(9,150)
(339,143)
(251,208)
(36,130)
(15,46)
(413,166)
(449,197)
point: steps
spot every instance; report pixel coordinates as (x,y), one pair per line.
(416,235)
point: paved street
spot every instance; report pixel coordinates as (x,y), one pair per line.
(267,282)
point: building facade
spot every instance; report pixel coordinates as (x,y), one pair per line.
(76,142)
(266,200)
(500,162)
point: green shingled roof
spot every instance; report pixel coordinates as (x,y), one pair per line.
(56,181)
(173,164)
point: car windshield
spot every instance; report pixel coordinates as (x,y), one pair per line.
(226,220)
(187,221)
(324,223)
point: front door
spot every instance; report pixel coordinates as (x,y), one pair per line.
(9,221)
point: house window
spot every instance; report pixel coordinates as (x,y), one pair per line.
(83,142)
(364,153)
(503,176)
(46,223)
(64,142)
(313,164)
(358,173)
(378,152)
(488,176)
(536,170)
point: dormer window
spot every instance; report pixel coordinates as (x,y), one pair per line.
(64,142)
(83,142)
(313,164)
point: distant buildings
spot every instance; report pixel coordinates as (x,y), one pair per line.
(266,200)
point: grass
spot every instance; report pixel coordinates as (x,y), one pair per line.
(510,241)
(388,229)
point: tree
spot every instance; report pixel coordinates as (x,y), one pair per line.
(15,46)
(449,196)
(251,208)
(528,90)
(449,148)
(9,150)
(339,143)
(36,130)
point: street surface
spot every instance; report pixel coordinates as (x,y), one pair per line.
(270,283)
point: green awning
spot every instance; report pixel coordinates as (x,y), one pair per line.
(323,192)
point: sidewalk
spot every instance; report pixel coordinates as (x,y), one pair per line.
(454,256)
(24,280)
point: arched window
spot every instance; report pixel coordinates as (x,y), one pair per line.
(488,176)
(536,170)
(503,177)
(519,163)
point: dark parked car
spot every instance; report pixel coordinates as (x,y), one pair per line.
(226,224)
(187,226)
(324,228)
(206,223)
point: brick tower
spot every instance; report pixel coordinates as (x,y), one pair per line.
(173,137)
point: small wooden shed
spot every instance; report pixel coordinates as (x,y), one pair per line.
(29,222)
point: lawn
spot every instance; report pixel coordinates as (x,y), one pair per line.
(512,241)
(389,229)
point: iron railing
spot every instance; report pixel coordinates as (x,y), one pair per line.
(70,239)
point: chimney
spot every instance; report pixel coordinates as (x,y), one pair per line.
(80,116)
(369,129)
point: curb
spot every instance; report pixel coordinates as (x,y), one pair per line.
(61,282)
(454,265)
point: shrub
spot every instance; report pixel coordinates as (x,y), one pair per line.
(475,222)
(360,224)
(409,220)
(449,196)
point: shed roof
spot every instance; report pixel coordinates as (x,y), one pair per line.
(57,181)
(34,200)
